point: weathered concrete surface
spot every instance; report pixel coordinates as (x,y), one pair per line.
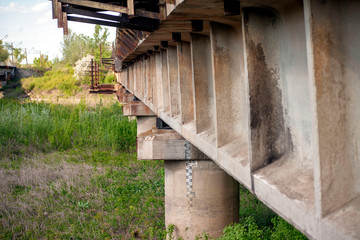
(157,144)
(172,67)
(145,124)
(275,102)
(186,90)
(136,108)
(206,203)
(203,83)
(125,97)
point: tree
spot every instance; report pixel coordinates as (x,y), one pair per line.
(76,46)
(19,55)
(4,54)
(100,37)
(42,62)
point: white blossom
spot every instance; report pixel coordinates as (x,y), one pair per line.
(83,67)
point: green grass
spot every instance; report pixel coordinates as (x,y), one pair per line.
(83,194)
(46,127)
(61,79)
(256,221)
(70,172)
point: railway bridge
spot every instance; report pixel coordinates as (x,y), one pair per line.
(262,93)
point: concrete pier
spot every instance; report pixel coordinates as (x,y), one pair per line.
(199,196)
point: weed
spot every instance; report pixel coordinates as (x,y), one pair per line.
(170,232)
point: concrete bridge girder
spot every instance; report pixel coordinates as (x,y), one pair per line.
(272,97)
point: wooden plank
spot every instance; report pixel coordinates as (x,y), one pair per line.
(98,5)
(162,8)
(65,23)
(130,6)
(147,14)
(59,14)
(54,9)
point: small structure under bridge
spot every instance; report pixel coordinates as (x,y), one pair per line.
(96,73)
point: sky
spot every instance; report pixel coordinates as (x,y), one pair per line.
(29,24)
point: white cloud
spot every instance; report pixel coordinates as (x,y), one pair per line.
(14,7)
(32,24)
(44,18)
(40,7)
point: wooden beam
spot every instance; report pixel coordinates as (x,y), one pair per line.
(65,23)
(130,6)
(147,14)
(71,10)
(162,8)
(59,15)
(54,9)
(93,4)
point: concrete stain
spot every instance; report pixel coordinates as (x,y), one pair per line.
(269,133)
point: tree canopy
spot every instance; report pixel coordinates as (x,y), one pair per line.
(4,54)
(76,46)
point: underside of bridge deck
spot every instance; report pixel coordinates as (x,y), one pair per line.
(269,90)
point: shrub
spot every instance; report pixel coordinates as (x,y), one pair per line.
(109,78)
(82,67)
(61,79)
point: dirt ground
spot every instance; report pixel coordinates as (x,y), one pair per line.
(55,96)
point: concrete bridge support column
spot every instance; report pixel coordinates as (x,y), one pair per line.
(199,196)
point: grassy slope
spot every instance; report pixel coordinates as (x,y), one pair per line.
(61,79)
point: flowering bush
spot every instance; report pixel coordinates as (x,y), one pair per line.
(82,67)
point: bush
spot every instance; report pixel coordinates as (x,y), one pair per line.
(82,68)
(61,79)
(247,230)
(109,78)
(283,230)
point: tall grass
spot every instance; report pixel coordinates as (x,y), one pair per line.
(31,126)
